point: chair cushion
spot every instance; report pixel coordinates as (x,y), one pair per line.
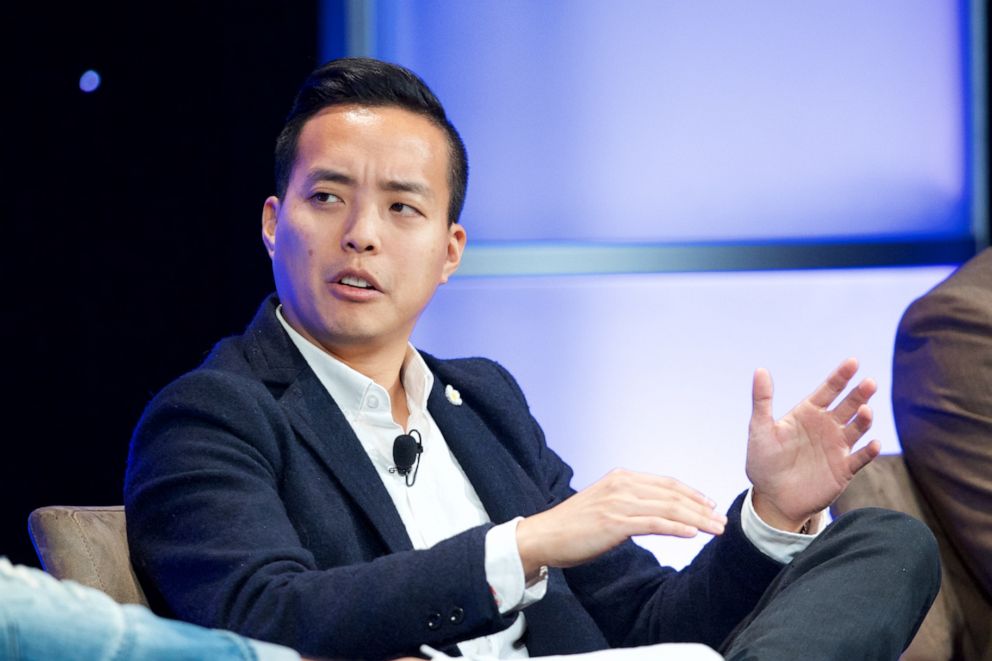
(87,545)
(886,483)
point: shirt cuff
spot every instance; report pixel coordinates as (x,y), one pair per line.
(505,570)
(777,544)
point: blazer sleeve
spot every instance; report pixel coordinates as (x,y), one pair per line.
(636,601)
(942,401)
(210,535)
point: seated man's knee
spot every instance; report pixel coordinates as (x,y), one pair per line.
(895,538)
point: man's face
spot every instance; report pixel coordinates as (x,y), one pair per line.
(360,240)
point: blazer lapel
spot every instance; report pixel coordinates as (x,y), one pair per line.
(504,488)
(321,425)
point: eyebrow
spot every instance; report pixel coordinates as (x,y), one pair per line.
(323,174)
(406,187)
(395,186)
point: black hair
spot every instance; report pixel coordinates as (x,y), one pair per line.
(368,82)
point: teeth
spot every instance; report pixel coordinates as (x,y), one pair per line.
(355,282)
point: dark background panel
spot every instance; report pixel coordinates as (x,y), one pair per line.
(133,217)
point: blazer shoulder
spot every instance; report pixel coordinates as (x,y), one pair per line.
(223,394)
(223,373)
(471,370)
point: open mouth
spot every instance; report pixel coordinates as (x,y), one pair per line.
(353,281)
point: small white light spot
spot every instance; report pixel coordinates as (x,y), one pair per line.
(89,81)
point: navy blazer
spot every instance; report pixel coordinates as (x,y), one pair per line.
(252,506)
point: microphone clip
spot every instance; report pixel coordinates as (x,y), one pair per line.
(406,456)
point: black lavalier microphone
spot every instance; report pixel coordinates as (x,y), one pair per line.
(406,455)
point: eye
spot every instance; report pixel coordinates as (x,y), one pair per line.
(404,209)
(325,198)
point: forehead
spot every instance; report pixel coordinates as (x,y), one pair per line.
(384,141)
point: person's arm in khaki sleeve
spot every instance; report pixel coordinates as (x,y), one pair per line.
(942,400)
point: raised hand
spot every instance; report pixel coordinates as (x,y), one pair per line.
(607,513)
(800,464)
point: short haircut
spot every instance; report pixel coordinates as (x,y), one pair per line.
(365,81)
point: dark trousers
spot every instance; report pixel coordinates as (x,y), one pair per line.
(859,592)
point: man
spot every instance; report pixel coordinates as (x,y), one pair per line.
(942,400)
(263,494)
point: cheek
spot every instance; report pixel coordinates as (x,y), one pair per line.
(295,243)
(295,253)
(417,274)
(431,262)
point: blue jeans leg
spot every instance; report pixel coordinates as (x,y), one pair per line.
(42,619)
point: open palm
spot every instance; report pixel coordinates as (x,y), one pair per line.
(801,463)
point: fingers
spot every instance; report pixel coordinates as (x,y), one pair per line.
(859,425)
(850,405)
(619,506)
(663,526)
(691,514)
(863,457)
(645,485)
(658,518)
(828,391)
(640,499)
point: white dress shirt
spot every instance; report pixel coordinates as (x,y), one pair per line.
(442,502)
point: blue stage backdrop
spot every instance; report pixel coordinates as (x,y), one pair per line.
(613,144)
(700,121)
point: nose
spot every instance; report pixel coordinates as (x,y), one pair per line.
(361,233)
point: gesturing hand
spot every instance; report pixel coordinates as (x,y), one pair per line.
(803,462)
(607,513)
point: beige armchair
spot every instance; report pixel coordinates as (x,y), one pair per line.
(946,633)
(87,545)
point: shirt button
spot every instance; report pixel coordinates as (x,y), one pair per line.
(434,621)
(456,616)
(373,402)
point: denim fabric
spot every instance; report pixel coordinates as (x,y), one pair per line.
(42,619)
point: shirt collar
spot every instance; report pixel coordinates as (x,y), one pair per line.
(355,393)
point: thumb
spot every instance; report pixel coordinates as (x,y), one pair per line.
(761,397)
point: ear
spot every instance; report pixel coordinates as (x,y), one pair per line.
(456,246)
(270,218)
